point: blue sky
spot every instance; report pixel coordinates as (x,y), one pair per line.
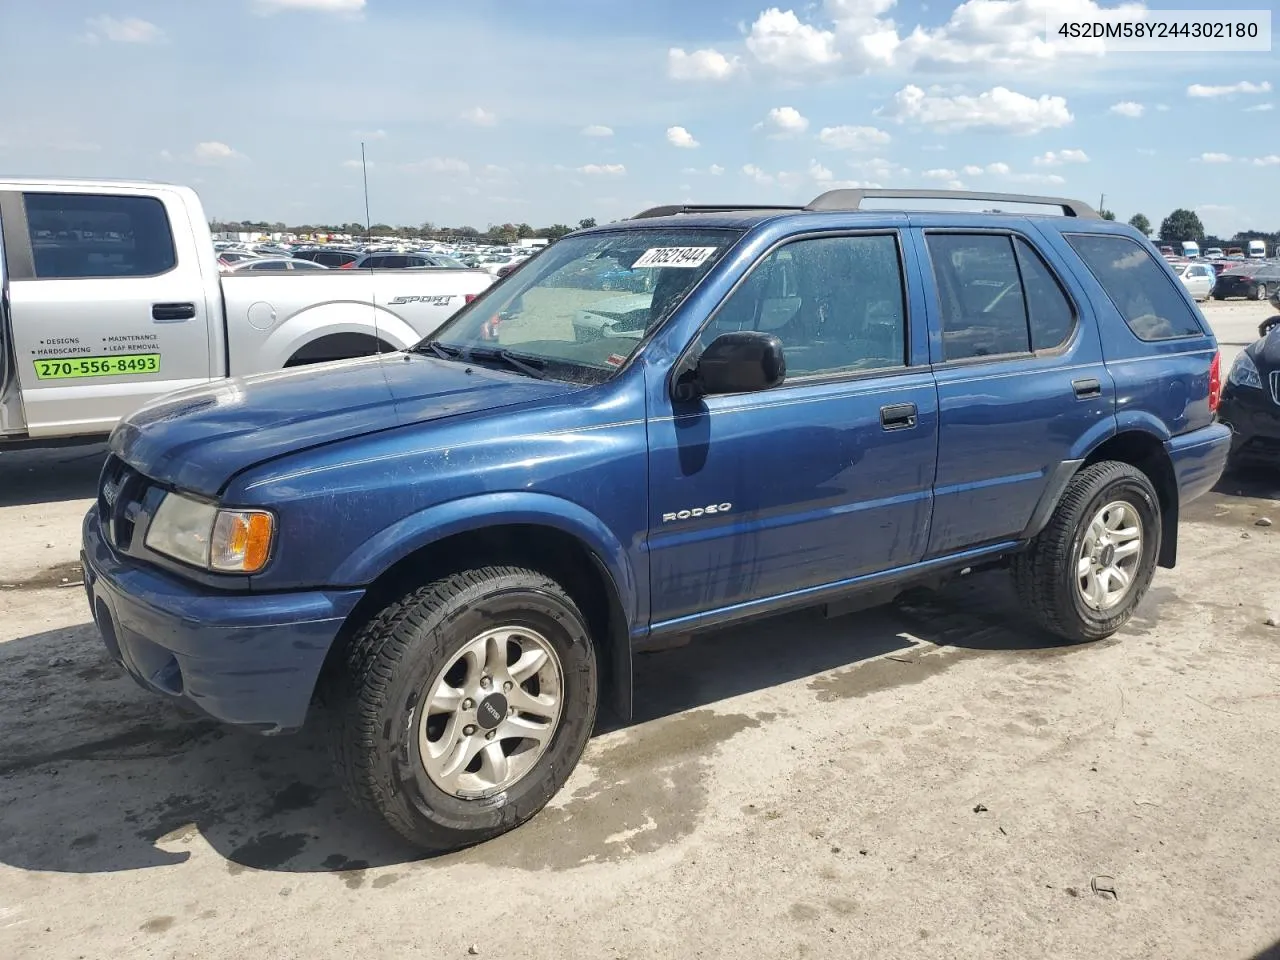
(552,110)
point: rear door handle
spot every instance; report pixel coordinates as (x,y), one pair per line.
(172,312)
(898,416)
(1088,388)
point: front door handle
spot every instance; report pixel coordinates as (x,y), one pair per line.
(1088,388)
(172,312)
(898,416)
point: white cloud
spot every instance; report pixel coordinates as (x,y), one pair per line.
(972,170)
(1060,157)
(784,122)
(1214,158)
(1127,108)
(878,168)
(349,7)
(166,155)
(356,164)
(680,137)
(1259,108)
(778,39)
(448,165)
(597,130)
(1270,160)
(700,65)
(370,134)
(940,173)
(213,152)
(126,30)
(756,174)
(480,117)
(1148,151)
(603,169)
(820,173)
(1162,108)
(996,109)
(853,138)
(1244,86)
(715,169)
(856,36)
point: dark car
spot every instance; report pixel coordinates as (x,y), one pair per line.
(404,261)
(1253,281)
(1251,400)
(327,258)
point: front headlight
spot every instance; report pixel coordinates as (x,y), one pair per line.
(227,541)
(1244,373)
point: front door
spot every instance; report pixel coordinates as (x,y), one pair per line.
(108,304)
(827,477)
(1021,381)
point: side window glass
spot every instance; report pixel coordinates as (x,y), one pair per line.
(984,313)
(1048,309)
(836,303)
(90,236)
(1138,286)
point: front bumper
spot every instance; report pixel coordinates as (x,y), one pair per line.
(245,659)
(1254,417)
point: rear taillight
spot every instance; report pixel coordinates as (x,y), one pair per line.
(468,297)
(347,266)
(1215,382)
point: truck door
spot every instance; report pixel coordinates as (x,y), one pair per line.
(108,304)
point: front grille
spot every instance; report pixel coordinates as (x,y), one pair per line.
(120,495)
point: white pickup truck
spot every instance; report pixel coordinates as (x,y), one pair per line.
(110,296)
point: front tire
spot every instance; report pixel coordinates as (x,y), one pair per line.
(463,707)
(1260,292)
(1084,574)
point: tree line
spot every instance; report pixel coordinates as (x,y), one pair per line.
(1185,224)
(494,233)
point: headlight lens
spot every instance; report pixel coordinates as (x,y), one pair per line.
(1244,373)
(228,541)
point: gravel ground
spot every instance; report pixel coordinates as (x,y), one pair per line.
(930,779)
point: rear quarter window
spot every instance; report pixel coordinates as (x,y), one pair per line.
(1139,287)
(91,236)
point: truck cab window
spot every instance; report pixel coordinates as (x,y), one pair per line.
(80,236)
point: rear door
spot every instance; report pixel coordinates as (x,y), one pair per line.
(108,304)
(1020,374)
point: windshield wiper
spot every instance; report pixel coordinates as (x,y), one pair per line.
(510,359)
(443,351)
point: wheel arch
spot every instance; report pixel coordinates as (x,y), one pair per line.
(582,556)
(339,346)
(1145,451)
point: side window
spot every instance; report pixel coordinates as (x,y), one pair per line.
(90,236)
(984,313)
(836,303)
(1140,289)
(1049,311)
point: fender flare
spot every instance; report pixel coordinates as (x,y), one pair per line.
(322,320)
(433,524)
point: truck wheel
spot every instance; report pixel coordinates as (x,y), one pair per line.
(1084,574)
(463,707)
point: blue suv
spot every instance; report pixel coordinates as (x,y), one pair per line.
(456,549)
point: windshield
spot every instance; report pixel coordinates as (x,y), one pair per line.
(582,307)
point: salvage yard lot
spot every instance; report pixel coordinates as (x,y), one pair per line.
(930,779)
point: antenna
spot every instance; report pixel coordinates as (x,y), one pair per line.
(368,231)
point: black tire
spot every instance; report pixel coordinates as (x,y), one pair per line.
(1044,574)
(374,696)
(1260,292)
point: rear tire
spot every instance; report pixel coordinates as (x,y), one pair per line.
(1090,540)
(1260,292)
(411,703)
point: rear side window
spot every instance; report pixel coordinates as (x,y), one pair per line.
(1151,305)
(1049,312)
(984,313)
(90,236)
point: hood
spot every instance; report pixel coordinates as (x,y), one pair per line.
(198,439)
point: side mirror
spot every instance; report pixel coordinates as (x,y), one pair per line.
(740,362)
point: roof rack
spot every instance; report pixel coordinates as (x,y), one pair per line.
(852,200)
(674,208)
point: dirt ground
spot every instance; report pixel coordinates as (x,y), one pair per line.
(929,779)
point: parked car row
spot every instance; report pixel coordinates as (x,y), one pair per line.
(1222,280)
